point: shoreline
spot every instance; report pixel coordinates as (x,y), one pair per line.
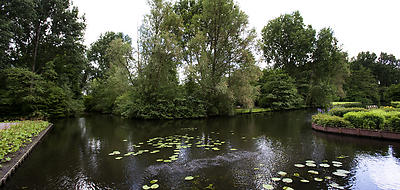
(358,132)
(18,157)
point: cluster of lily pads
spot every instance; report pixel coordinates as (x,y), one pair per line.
(153,185)
(178,142)
(311,167)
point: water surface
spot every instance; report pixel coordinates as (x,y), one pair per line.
(242,152)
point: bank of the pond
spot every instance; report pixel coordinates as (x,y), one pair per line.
(17,141)
(358,132)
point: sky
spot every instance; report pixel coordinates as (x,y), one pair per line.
(359,25)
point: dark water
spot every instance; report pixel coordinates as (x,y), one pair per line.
(252,150)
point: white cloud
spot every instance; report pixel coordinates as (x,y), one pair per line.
(360,25)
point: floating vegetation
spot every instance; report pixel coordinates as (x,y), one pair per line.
(299,165)
(282,173)
(328,177)
(114,153)
(311,165)
(313,172)
(153,181)
(188,178)
(118,158)
(341,173)
(268,186)
(233,149)
(318,179)
(335,185)
(304,181)
(146,187)
(287,188)
(296,175)
(287,180)
(324,165)
(275,179)
(154,186)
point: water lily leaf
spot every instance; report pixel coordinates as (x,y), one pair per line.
(153,181)
(310,164)
(256,168)
(233,149)
(167,160)
(312,172)
(318,179)
(304,181)
(299,165)
(339,174)
(287,180)
(310,161)
(335,185)
(118,158)
(154,186)
(287,188)
(145,187)
(282,173)
(275,179)
(336,162)
(337,165)
(124,140)
(268,186)
(343,171)
(324,165)
(328,177)
(188,178)
(296,174)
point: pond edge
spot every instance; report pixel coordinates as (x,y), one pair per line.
(358,132)
(22,154)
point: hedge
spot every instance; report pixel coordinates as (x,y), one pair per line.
(341,111)
(330,121)
(366,120)
(346,104)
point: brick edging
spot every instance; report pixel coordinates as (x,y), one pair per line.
(358,132)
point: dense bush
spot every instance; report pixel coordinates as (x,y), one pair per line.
(338,111)
(366,120)
(330,121)
(346,104)
(396,104)
(393,123)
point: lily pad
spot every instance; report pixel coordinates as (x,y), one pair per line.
(337,165)
(287,180)
(335,185)
(267,186)
(299,165)
(159,160)
(275,179)
(324,165)
(309,164)
(146,187)
(118,158)
(256,168)
(304,181)
(153,181)
(287,188)
(310,161)
(188,178)
(339,174)
(313,172)
(343,171)
(282,173)
(233,149)
(336,162)
(296,174)
(154,186)
(318,179)
(328,177)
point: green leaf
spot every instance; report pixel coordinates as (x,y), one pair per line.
(188,178)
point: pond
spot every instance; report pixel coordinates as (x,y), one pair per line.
(273,150)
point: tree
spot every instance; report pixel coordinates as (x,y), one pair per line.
(361,86)
(97,53)
(219,45)
(278,91)
(288,43)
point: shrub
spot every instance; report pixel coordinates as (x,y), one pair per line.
(393,123)
(339,111)
(389,109)
(330,121)
(366,120)
(346,104)
(396,104)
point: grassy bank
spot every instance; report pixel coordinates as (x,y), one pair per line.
(17,136)
(253,110)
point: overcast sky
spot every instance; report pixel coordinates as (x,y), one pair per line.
(359,25)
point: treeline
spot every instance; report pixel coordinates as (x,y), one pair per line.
(192,58)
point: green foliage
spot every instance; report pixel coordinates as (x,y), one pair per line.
(346,104)
(366,120)
(396,104)
(361,86)
(392,93)
(392,123)
(339,111)
(252,110)
(278,91)
(330,121)
(17,136)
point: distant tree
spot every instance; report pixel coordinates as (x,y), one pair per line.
(288,43)
(361,86)
(392,93)
(278,91)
